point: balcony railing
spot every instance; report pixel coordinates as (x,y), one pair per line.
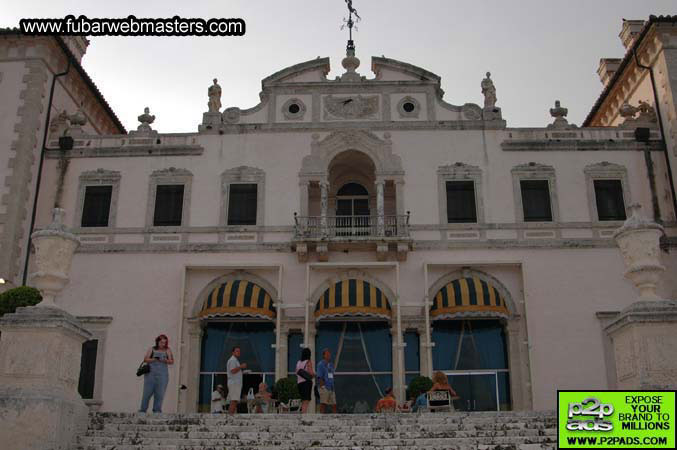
(351,227)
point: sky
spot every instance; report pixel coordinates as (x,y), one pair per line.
(537,51)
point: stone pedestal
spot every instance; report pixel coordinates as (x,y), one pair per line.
(644,335)
(40,407)
(644,339)
(211,121)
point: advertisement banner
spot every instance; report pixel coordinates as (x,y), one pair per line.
(616,419)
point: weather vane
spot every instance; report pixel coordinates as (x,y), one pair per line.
(351,23)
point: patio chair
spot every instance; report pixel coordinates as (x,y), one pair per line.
(439,401)
(293,406)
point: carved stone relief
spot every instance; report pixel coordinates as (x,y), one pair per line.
(351,107)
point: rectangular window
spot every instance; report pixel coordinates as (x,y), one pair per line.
(609,198)
(242,204)
(461,202)
(96,207)
(168,205)
(536,200)
(88,369)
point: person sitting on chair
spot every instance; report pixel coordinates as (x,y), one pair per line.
(440,383)
(218,399)
(263,399)
(387,403)
(421,402)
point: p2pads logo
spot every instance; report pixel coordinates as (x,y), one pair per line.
(597,409)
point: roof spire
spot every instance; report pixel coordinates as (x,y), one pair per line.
(350,62)
(350,23)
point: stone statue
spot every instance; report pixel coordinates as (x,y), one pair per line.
(489,92)
(214,93)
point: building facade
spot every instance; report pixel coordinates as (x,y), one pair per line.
(364,214)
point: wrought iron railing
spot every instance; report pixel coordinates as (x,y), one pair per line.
(357,227)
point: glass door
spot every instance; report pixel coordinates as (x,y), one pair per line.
(478,391)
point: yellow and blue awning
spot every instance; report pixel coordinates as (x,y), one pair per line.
(238,298)
(468,297)
(353,298)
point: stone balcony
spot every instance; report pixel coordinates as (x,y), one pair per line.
(324,233)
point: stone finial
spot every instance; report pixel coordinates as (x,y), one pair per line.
(77,121)
(54,249)
(78,118)
(58,125)
(638,240)
(646,118)
(489,92)
(647,113)
(146,119)
(628,111)
(351,63)
(559,113)
(214,94)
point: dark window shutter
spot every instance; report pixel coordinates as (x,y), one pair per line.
(96,207)
(168,205)
(461,202)
(609,198)
(536,200)
(88,369)
(242,204)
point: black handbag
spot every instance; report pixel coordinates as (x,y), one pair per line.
(143,369)
(304,374)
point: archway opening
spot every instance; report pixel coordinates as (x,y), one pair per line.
(468,331)
(237,313)
(354,324)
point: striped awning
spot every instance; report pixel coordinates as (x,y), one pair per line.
(351,298)
(468,297)
(238,298)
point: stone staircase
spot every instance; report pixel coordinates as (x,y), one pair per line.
(426,431)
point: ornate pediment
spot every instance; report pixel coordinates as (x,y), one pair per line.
(351,107)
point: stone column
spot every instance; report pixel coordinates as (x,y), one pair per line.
(380,221)
(40,407)
(303,197)
(422,355)
(398,362)
(399,197)
(192,378)
(281,368)
(324,205)
(644,335)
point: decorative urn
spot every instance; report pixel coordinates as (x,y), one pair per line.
(639,242)
(54,249)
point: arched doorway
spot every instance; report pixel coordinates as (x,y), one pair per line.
(238,313)
(353,322)
(468,331)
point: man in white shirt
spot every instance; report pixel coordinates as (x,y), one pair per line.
(218,400)
(234,369)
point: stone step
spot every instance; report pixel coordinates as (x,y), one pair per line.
(330,435)
(315,442)
(426,431)
(447,446)
(320,429)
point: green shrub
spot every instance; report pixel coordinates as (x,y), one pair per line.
(286,389)
(19,296)
(419,385)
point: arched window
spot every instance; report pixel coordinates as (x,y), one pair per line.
(352,189)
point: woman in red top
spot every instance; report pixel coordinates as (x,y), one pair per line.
(387,403)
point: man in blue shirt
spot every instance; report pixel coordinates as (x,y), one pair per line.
(325,379)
